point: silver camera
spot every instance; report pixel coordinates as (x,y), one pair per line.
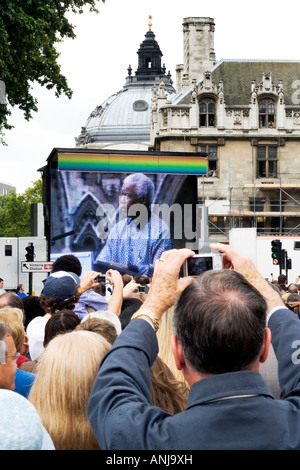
(203,262)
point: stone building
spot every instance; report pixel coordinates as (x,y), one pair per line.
(121,122)
(245,114)
(5,188)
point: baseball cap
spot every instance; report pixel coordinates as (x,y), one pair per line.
(61,285)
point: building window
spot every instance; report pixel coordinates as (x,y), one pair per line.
(212,158)
(266,161)
(207,109)
(275,205)
(140,105)
(267,114)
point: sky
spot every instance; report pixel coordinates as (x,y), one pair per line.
(96,62)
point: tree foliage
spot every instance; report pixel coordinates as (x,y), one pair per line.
(15,211)
(29,32)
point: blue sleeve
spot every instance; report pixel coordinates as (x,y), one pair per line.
(106,252)
(161,245)
(23,382)
(285,329)
(157,249)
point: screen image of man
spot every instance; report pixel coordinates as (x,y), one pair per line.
(139,238)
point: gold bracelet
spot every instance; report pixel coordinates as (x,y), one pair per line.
(151,316)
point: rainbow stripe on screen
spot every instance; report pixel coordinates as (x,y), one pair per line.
(181,165)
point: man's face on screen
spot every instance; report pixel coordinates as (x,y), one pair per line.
(129,197)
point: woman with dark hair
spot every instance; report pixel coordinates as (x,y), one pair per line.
(62,322)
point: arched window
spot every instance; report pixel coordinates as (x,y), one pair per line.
(267,113)
(207,109)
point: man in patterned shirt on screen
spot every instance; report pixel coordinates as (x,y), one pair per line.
(140,237)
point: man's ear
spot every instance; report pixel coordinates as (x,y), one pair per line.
(266,345)
(177,353)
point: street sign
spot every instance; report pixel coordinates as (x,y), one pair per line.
(36,266)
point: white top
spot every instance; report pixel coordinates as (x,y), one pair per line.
(36,332)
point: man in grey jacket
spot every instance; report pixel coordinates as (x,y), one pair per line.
(223,325)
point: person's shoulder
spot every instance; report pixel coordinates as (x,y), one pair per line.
(36,322)
(38,319)
(24,374)
(20,426)
(23,382)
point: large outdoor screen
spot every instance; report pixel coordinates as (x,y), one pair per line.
(121,211)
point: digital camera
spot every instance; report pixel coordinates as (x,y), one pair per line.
(200,263)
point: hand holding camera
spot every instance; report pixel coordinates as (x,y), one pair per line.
(200,263)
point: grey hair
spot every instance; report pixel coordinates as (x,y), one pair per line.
(220,321)
(11,299)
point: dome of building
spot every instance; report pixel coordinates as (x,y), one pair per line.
(123,120)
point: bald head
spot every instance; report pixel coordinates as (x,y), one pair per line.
(220,321)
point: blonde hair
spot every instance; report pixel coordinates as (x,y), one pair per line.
(65,375)
(99,326)
(167,393)
(14,318)
(164,336)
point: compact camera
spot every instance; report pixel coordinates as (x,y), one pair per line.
(202,262)
(100,278)
(144,289)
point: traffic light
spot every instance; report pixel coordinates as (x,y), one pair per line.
(276,252)
(30,252)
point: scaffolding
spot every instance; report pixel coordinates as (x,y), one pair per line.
(280,216)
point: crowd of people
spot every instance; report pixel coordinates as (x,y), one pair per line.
(161,363)
(290,293)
